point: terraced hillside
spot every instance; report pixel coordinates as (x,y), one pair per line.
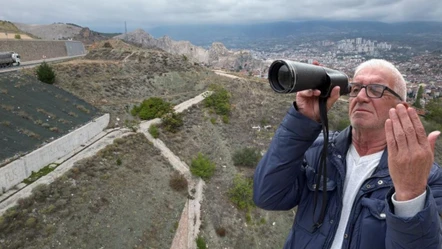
(34,113)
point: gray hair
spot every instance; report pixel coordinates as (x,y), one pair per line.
(400,86)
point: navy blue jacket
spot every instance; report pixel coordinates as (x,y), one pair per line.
(286,178)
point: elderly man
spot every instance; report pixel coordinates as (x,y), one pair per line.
(383,189)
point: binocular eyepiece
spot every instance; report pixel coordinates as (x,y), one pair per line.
(288,77)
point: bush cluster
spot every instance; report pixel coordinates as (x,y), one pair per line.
(202,166)
(151,108)
(241,193)
(247,157)
(172,122)
(434,110)
(219,101)
(107,45)
(201,243)
(45,73)
(178,182)
(153,130)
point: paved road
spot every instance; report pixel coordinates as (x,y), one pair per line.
(31,64)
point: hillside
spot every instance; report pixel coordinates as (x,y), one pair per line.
(62,31)
(6,26)
(114,80)
(216,56)
(34,113)
(122,197)
(8,31)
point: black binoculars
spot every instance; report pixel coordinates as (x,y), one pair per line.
(288,77)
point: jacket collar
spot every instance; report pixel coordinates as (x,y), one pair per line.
(342,142)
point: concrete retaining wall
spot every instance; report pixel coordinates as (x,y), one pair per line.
(30,50)
(20,169)
(74,48)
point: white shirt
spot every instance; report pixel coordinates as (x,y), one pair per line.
(360,169)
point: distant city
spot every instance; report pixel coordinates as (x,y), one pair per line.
(418,68)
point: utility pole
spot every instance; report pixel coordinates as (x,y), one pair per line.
(125,31)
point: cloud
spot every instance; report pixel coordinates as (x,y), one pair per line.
(111,14)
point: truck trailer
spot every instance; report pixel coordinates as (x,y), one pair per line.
(8,59)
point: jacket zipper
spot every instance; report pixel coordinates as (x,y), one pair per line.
(331,235)
(357,200)
(335,224)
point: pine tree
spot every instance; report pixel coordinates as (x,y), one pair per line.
(45,73)
(417,102)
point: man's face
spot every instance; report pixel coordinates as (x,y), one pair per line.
(371,113)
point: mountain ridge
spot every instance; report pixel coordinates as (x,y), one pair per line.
(217,56)
(203,35)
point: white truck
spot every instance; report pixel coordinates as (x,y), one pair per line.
(8,59)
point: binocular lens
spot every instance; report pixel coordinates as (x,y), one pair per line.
(281,78)
(284,77)
(288,77)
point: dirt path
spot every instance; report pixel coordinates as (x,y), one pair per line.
(222,73)
(190,220)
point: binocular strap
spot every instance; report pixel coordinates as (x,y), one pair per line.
(322,170)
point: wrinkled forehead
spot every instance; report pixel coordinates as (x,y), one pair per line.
(370,75)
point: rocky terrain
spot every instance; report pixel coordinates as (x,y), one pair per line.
(61,31)
(217,56)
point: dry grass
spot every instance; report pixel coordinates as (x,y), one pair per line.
(85,61)
(10,36)
(178,182)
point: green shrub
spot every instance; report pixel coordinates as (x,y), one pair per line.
(219,101)
(225,119)
(201,243)
(434,110)
(153,130)
(31,222)
(151,108)
(40,192)
(45,73)
(247,157)
(42,172)
(241,193)
(172,122)
(107,45)
(431,125)
(248,218)
(201,166)
(17,36)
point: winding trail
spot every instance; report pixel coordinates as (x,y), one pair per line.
(190,221)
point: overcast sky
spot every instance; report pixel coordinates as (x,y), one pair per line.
(110,15)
